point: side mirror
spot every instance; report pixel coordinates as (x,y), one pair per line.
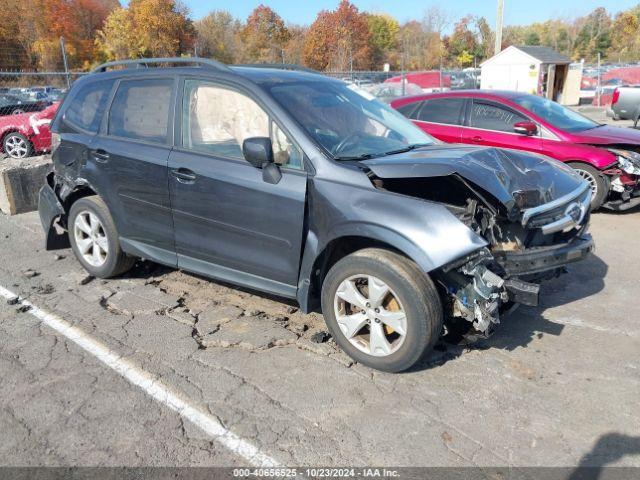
(258,151)
(525,128)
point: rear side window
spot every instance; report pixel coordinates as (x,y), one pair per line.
(442,110)
(88,106)
(493,117)
(408,109)
(140,110)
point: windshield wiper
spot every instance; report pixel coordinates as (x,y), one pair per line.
(408,148)
(364,156)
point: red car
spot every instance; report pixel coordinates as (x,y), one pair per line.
(430,81)
(25,134)
(607,157)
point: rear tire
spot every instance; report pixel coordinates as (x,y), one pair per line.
(410,312)
(94,239)
(598,183)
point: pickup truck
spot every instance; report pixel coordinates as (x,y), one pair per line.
(625,104)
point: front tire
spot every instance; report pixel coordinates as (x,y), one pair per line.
(381,309)
(597,182)
(94,239)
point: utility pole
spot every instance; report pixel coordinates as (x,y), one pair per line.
(598,91)
(402,76)
(64,61)
(499,17)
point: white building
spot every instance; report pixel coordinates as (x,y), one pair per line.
(533,69)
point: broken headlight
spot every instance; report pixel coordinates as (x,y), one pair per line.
(628,160)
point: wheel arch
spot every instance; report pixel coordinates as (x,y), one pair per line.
(10,130)
(318,261)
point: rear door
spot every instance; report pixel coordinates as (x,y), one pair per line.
(489,123)
(441,118)
(128,161)
(229,222)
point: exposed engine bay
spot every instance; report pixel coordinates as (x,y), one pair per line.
(527,242)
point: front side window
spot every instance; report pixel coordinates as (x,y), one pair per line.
(442,110)
(88,106)
(493,117)
(140,110)
(557,115)
(218,120)
(345,121)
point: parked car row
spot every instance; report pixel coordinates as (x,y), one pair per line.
(28,99)
(302,186)
(607,157)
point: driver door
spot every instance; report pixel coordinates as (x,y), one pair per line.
(229,223)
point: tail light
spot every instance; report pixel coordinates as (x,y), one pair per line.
(616,97)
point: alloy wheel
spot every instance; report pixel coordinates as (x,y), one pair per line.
(16,146)
(593,182)
(91,238)
(370,315)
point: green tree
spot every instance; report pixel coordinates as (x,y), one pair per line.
(462,42)
(594,35)
(383,30)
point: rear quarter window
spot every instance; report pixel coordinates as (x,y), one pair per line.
(88,106)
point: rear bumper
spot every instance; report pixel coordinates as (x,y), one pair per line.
(542,259)
(51,210)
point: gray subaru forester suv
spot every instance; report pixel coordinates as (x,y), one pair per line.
(291,183)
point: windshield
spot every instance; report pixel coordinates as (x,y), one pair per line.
(555,114)
(347,122)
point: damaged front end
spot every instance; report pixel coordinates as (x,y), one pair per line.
(624,178)
(532,213)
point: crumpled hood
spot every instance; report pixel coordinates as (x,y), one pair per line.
(607,135)
(517,179)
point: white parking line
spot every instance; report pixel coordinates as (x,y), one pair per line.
(156,389)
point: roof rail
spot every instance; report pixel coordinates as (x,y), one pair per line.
(145,62)
(280,66)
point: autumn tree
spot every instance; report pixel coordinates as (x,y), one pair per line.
(339,40)
(462,43)
(31,31)
(264,36)
(625,35)
(218,36)
(147,28)
(294,49)
(118,40)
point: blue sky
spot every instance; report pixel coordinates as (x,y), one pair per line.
(516,11)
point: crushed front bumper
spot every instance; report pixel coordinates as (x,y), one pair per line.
(51,211)
(541,259)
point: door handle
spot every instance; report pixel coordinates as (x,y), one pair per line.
(100,156)
(184,175)
(476,138)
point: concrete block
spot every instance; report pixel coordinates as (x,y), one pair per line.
(20,181)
